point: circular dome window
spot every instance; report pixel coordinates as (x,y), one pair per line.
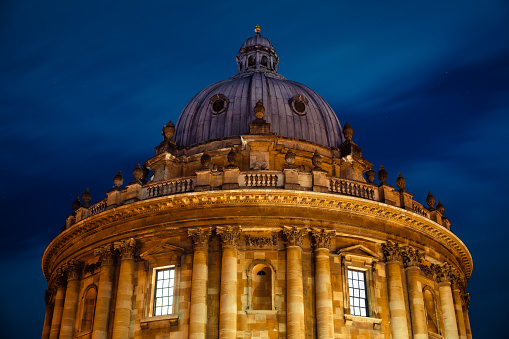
(299,104)
(218,103)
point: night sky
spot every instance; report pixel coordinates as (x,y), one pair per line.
(86,86)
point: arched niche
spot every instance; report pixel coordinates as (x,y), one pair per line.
(261,285)
(88,309)
(430,306)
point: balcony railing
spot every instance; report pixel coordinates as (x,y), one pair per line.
(161,188)
(353,188)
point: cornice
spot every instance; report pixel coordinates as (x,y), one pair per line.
(261,197)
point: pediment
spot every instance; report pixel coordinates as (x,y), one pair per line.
(359,251)
(161,249)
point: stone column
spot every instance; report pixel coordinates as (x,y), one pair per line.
(73,269)
(106,255)
(399,322)
(456,294)
(56,320)
(412,259)
(125,290)
(228,295)
(324,313)
(443,275)
(198,311)
(295,328)
(465,298)
(49,314)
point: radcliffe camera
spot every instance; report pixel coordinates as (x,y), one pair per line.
(258,216)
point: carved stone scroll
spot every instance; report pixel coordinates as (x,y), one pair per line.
(229,235)
(294,235)
(260,241)
(200,238)
(322,238)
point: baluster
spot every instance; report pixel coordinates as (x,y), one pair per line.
(266,179)
(251,179)
(275,180)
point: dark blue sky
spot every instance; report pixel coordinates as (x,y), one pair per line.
(85,87)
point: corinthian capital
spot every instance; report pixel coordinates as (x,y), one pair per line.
(229,235)
(294,235)
(73,269)
(411,257)
(391,251)
(465,301)
(106,254)
(126,248)
(443,273)
(48,294)
(322,238)
(456,280)
(200,238)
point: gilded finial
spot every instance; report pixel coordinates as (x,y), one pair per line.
(257,28)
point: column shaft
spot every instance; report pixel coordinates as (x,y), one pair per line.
(124,303)
(47,321)
(103,304)
(419,327)
(467,323)
(57,312)
(397,308)
(70,307)
(459,314)
(228,298)
(324,313)
(295,294)
(448,312)
(198,311)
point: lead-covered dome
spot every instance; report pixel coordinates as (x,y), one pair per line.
(225,109)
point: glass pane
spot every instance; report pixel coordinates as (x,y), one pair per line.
(166,274)
(164,310)
(350,274)
(165,283)
(355,284)
(170,301)
(159,293)
(158,311)
(363,294)
(166,292)
(172,274)
(363,312)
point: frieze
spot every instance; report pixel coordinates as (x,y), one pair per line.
(294,235)
(125,213)
(90,268)
(411,257)
(260,241)
(229,236)
(322,238)
(200,238)
(427,271)
(391,251)
(126,248)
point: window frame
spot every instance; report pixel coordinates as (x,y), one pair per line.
(83,306)
(250,276)
(153,290)
(366,306)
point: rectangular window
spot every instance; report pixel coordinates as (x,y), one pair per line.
(357,292)
(164,286)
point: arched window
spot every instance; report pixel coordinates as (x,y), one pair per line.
(251,61)
(264,61)
(261,280)
(88,309)
(431,311)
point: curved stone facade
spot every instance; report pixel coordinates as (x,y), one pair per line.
(257,236)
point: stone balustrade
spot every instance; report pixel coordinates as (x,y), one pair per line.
(305,181)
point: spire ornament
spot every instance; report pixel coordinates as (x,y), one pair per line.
(257,29)
(138,173)
(317,161)
(401,182)
(76,204)
(118,180)
(382,174)
(348,131)
(86,197)
(370,176)
(440,207)
(430,200)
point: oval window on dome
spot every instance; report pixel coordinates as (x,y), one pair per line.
(218,103)
(299,104)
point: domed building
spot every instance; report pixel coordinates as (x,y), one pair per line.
(257,217)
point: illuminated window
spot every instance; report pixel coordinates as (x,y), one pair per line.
(164,287)
(357,293)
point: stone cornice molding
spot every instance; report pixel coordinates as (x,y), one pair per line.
(391,251)
(126,248)
(411,257)
(322,238)
(406,219)
(229,236)
(200,237)
(106,255)
(73,269)
(294,235)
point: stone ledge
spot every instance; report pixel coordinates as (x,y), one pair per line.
(171,318)
(261,311)
(349,319)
